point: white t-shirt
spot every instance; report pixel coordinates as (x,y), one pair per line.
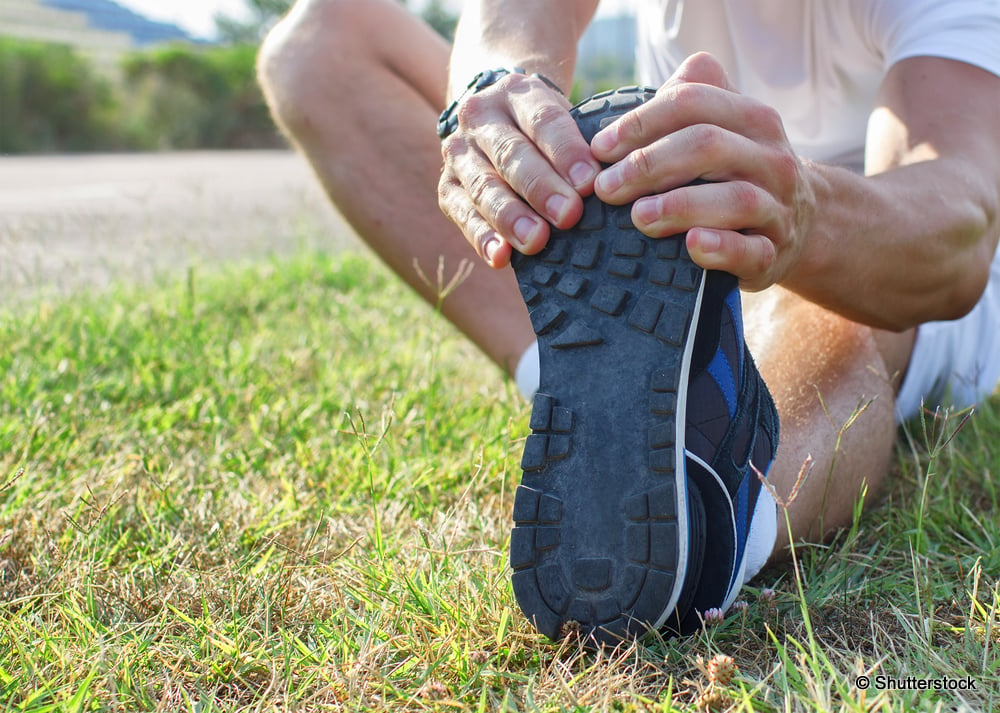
(818,62)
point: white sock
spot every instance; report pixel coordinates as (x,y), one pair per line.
(762,536)
(528,372)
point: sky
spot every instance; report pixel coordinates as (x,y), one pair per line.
(197,16)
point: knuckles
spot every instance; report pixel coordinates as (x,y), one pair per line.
(685,97)
(767,120)
(507,149)
(639,165)
(479,186)
(545,115)
(786,168)
(473,109)
(708,141)
(452,147)
(632,126)
(746,200)
(534,186)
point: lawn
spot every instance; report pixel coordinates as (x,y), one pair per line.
(288,486)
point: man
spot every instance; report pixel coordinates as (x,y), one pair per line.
(840,159)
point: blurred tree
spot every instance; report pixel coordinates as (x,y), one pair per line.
(598,73)
(261,17)
(440,18)
(263,14)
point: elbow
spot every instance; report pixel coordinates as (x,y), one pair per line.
(944,304)
(966,294)
(960,277)
(975,242)
(971,278)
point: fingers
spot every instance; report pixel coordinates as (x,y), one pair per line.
(700,152)
(746,226)
(550,128)
(699,92)
(516,164)
(490,245)
(679,106)
(529,173)
(474,195)
(701,68)
(751,258)
(702,160)
(733,205)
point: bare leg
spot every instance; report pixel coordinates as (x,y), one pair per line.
(358,86)
(834,383)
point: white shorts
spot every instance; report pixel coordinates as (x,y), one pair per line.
(955,364)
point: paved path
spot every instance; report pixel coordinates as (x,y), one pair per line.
(73,222)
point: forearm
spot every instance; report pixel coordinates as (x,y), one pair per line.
(910,243)
(537,35)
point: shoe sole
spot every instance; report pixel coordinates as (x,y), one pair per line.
(600,541)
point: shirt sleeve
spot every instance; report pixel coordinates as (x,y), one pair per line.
(963,30)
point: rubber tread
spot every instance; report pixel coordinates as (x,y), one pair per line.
(600,540)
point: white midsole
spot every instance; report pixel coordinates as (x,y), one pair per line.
(680,471)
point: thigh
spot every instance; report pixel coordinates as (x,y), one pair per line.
(797,343)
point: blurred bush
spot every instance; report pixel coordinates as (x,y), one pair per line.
(53,99)
(184,98)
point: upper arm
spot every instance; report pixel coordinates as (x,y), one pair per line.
(930,107)
(940,118)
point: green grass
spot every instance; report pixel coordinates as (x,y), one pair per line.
(288,487)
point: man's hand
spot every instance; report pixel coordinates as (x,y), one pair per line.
(516,163)
(754,210)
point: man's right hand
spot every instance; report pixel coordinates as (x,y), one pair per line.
(516,163)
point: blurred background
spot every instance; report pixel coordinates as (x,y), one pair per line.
(147,75)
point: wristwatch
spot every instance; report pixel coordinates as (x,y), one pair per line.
(448,121)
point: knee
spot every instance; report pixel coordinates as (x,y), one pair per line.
(310,47)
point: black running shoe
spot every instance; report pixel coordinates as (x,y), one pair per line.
(637,494)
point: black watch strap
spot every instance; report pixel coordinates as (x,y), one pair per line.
(448,121)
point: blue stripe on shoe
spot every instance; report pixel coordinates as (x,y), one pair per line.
(720,368)
(722,372)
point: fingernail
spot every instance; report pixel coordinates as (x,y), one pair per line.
(581,173)
(646,210)
(604,141)
(709,241)
(611,179)
(524,230)
(556,207)
(491,247)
